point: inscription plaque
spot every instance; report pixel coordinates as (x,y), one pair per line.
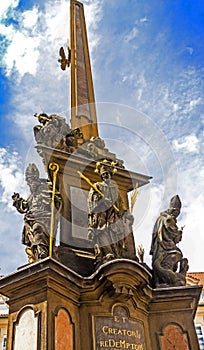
(118,331)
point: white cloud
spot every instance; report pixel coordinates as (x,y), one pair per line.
(12,250)
(22,54)
(190,50)
(146,211)
(6,31)
(188,143)
(36,31)
(42,33)
(93,14)
(128,78)
(190,185)
(194,102)
(143,19)
(140,85)
(193,239)
(131,35)
(30,18)
(6,5)
(54,24)
(21,50)
(35,50)
(11,175)
(175,107)
(202,171)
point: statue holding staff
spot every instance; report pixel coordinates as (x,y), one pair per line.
(37,210)
(106,215)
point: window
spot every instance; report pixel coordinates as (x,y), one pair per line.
(200,336)
(202,297)
(4,343)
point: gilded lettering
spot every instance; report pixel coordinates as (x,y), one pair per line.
(111,343)
(106,343)
(118,331)
(122,344)
(120,335)
(101,344)
(117,345)
(110,330)
(105,329)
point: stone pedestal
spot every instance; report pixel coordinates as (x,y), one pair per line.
(171,314)
(74,191)
(54,308)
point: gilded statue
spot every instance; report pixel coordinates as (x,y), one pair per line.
(107,218)
(37,214)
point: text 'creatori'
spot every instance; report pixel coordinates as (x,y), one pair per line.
(118,331)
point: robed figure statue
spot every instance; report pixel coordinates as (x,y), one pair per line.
(169,266)
(37,214)
(106,216)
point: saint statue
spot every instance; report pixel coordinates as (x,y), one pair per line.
(37,210)
(106,215)
(169,266)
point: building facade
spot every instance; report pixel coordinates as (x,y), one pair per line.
(3,322)
(198,278)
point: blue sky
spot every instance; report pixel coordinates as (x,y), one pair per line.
(147,63)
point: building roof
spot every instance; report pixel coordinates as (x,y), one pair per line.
(195,278)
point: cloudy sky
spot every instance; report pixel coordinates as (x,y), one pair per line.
(147,64)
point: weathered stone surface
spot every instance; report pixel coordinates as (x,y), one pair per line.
(112,308)
(118,331)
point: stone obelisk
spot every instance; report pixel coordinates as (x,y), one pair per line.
(83,111)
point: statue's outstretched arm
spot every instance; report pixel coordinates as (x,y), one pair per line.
(19,203)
